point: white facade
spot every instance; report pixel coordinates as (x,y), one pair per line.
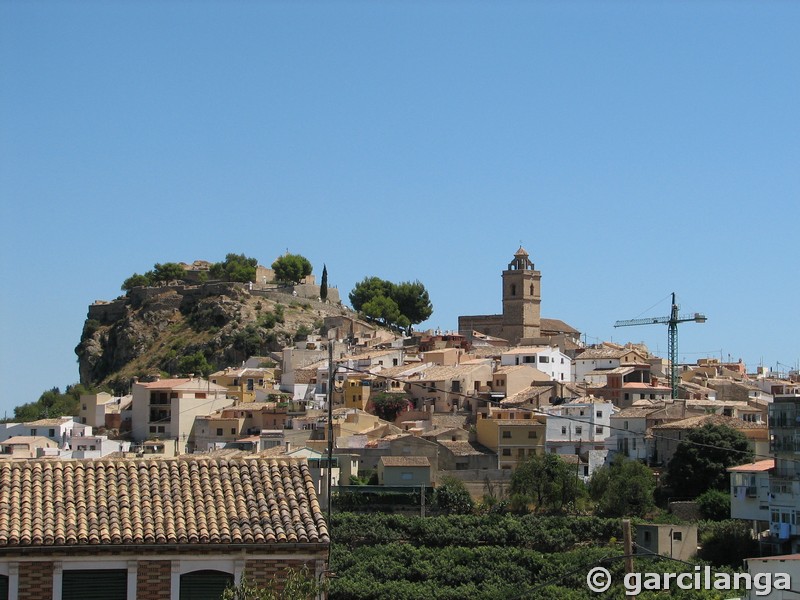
(628,437)
(750,491)
(166,409)
(582,366)
(581,428)
(95,446)
(59,429)
(548,360)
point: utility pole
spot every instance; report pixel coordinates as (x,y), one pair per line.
(627,540)
(330,425)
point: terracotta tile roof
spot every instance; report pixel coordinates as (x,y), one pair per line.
(465,448)
(405,461)
(759,465)
(699,421)
(176,501)
(556,325)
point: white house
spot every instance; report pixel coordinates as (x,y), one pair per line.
(581,427)
(166,409)
(750,493)
(547,359)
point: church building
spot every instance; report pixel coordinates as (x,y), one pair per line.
(521,322)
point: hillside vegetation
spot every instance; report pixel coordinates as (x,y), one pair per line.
(173,330)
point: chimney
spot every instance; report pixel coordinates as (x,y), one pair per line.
(288,447)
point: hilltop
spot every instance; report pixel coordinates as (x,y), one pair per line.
(183,327)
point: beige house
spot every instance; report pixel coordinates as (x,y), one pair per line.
(103,410)
(449,389)
(243,384)
(155,529)
(167,408)
(511,380)
(511,434)
(411,471)
(674,541)
(27,446)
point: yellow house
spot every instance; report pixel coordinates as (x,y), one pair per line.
(512,434)
(356,390)
(243,383)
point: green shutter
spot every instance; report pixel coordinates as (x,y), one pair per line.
(204,585)
(95,584)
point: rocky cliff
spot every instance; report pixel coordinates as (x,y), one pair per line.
(174,328)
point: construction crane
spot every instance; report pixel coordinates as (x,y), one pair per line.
(672,336)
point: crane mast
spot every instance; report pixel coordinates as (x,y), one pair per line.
(672,336)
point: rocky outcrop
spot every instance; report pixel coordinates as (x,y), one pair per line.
(152,329)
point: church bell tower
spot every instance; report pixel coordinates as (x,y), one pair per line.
(521,299)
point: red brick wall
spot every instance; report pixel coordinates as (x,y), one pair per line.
(153,580)
(35,580)
(264,573)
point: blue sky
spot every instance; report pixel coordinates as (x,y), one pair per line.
(633,148)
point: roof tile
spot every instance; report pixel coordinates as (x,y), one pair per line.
(176,501)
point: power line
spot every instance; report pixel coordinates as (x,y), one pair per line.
(546,413)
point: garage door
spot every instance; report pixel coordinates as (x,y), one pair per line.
(204,585)
(95,584)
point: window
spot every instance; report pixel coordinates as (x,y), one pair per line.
(625,423)
(599,414)
(51,433)
(599,430)
(563,430)
(405,476)
(233,431)
(532,435)
(578,430)
(219,430)
(204,584)
(544,359)
(646,536)
(506,451)
(506,434)
(33,432)
(94,584)
(200,395)
(677,536)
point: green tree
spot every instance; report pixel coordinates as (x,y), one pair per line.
(235,267)
(298,584)
(367,289)
(727,543)
(291,268)
(549,481)
(715,505)
(136,280)
(168,272)
(400,305)
(382,309)
(195,363)
(452,496)
(623,488)
(701,459)
(413,301)
(323,286)
(52,404)
(387,405)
